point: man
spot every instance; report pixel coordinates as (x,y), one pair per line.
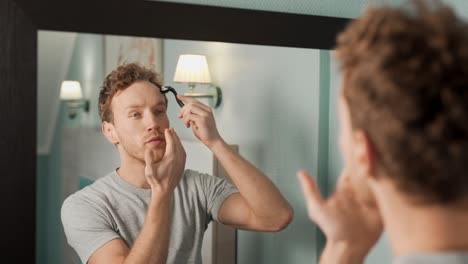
(150,209)
(404,138)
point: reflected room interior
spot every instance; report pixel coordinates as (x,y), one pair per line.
(278,106)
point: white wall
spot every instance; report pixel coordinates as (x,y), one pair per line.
(270,109)
(54,53)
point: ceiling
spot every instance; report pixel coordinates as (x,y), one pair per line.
(333,8)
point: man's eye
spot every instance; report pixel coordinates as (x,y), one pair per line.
(134,115)
(160,112)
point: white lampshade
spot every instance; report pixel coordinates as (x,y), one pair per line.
(192,69)
(71,90)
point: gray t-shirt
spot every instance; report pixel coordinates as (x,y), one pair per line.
(112,208)
(433,258)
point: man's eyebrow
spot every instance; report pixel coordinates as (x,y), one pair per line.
(133,106)
(140,106)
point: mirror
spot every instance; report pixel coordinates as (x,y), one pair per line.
(23,20)
(278,107)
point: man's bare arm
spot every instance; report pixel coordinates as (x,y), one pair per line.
(259,205)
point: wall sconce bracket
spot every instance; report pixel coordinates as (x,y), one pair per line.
(74,105)
(215,96)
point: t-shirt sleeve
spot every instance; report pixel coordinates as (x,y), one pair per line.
(86,227)
(216,190)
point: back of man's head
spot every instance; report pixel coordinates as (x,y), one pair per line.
(406,85)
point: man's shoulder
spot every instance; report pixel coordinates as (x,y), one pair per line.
(194,177)
(192,181)
(91,193)
(197,181)
(190,174)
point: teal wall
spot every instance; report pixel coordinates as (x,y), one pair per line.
(42,207)
(335,162)
(323,169)
(85,182)
(49,233)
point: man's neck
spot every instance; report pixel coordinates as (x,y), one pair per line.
(415,228)
(133,171)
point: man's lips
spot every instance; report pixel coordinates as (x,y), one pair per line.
(156,140)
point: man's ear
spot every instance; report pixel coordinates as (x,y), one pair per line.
(109,131)
(364,153)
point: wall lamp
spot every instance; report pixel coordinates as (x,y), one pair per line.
(72,95)
(193,69)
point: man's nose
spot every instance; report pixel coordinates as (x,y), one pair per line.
(152,122)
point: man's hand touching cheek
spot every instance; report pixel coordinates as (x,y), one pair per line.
(164,176)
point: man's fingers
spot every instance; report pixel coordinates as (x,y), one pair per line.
(148,156)
(311,193)
(192,120)
(149,169)
(343,186)
(169,142)
(188,101)
(309,187)
(196,109)
(343,180)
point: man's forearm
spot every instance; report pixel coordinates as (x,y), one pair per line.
(152,244)
(261,195)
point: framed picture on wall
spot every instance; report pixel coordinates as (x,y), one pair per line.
(118,50)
